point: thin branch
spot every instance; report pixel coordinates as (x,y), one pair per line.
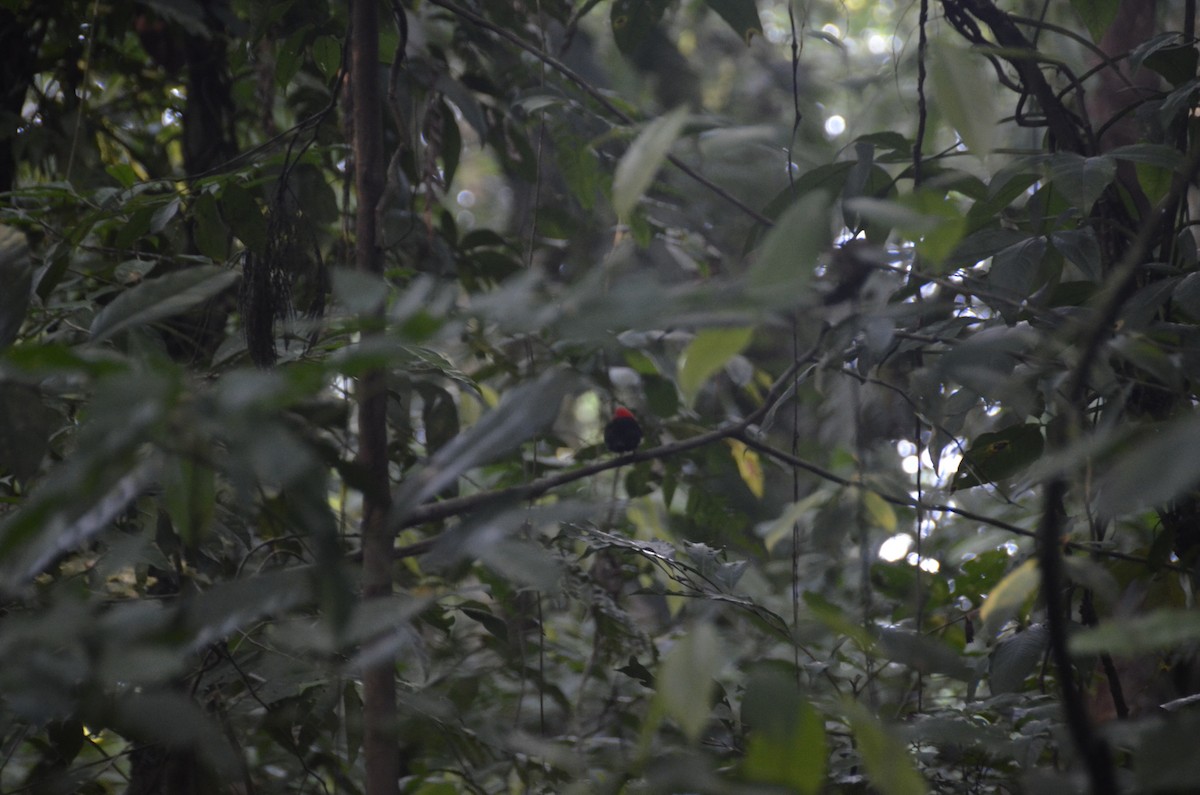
(922,107)
(445,509)
(909,502)
(600,99)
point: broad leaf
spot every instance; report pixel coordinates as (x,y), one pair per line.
(1158,467)
(158,299)
(706,354)
(1140,634)
(920,653)
(1097,15)
(685,679)
(523,413)
(742,16)
(637,169)
(886,756)
(783,267)
(1081,179)
(1015,658)
(1008,597)
(749,466)
(957,74)
(16,274)
(787,745)
(996,456)
(632,21)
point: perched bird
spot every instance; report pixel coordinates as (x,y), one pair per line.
(622,434)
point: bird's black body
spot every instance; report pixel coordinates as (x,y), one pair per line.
(622,434)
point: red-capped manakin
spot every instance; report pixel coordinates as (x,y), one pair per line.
(622,434)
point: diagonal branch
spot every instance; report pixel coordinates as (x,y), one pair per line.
(435,511)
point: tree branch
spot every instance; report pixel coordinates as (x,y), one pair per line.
(1063,127)
(432,512)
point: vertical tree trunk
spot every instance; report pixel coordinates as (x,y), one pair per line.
(20,37)
(380,753)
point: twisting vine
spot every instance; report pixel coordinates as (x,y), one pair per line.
(797,46)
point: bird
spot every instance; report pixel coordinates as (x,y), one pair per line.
(622,434)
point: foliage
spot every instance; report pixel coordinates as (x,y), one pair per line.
(870,380)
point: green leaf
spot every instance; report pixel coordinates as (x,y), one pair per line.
(1008,597)
(228,606)
(1160,465)
(173,719)
(25,428)
(245,217)
(1136,635)
(637,169)
(957,75)
(1081,179)
(685,679)
(787,746)
(327,54)
(632,21)
(1097,15)
(706,354)
(1081,248)
(1154,181)
(880,511)
(741,15)
(836,620)
(189,492)
(1160,155)
(210,233)
(492,536)
(922,653)
(163,215)
(122,173)
(1015,658)
(784,265)
(156,299)
(1016,270)
(581,171)
(996,456)
(66,511)
(524,413)
(16,275)
(1168,55)
(885,755)
(925,217)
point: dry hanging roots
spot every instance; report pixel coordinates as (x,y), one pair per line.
(289,266)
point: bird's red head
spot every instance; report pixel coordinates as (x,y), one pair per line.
(622,434)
